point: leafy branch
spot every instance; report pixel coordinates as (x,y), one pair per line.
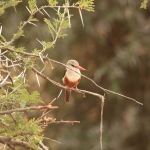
(6,4)
(15,98)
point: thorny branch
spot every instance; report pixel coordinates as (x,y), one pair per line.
(51,60)
(46,58)
(39,10)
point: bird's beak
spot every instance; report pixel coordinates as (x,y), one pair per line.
(80,68)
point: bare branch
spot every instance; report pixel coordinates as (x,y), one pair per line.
(124,96)
(101,123)
(52,140)
(59,122)
(60,85)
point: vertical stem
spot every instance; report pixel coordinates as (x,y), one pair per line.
(101,122)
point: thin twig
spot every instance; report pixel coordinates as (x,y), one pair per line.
(59,122)
(124,96)
(52,140)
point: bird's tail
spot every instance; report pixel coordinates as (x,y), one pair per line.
(67,95)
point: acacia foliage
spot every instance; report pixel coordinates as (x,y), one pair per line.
(17,130)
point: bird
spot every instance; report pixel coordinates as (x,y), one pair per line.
(72,77)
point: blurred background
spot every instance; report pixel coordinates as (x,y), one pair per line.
(113,46)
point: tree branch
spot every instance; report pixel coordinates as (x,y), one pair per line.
(28,108)
(64,87)
(12,143)
(46,58)
(33,13)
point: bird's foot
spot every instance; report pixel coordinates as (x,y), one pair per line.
(77,90)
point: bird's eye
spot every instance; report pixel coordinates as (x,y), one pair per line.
(72,65)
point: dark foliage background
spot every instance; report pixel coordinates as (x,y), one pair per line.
(114,48)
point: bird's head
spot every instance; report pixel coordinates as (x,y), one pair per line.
(74,64)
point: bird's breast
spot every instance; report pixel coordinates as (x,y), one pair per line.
(71,78)
(69,83)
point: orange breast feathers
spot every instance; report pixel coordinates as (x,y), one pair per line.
(70,83)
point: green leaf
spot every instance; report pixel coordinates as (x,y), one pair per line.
(2,38)
(35,97)
(144,4)
(1,11)
(6,4)
(32,5)
(62,35)
(47,44)
(52,2)
(65,24)
(86,4)
(49,24)
(36,51)
(51,28)
(20,49)
(34,19)
(18,35)
(27,63)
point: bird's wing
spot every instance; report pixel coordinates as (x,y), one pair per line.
(64,72)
